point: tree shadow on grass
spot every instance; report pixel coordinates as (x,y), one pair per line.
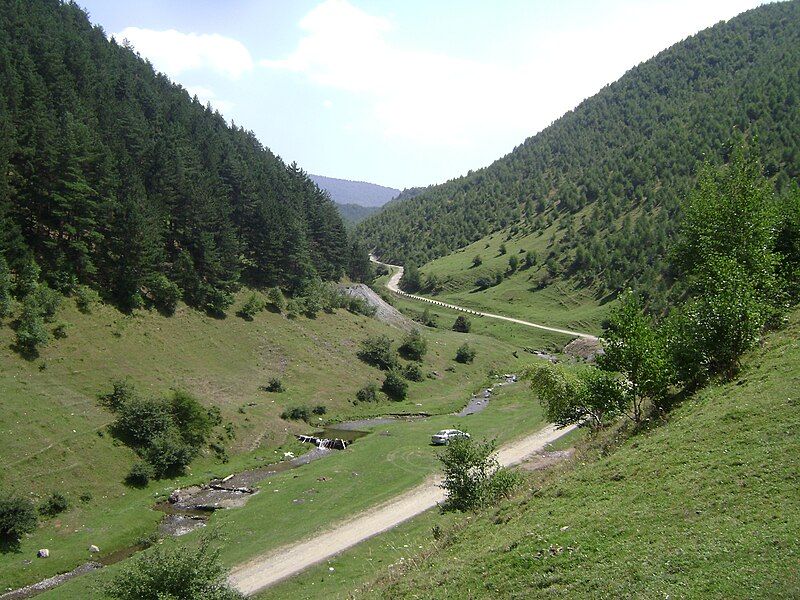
(9,545)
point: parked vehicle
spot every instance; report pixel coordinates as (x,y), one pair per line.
(443,437)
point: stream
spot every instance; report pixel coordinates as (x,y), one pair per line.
(189,508)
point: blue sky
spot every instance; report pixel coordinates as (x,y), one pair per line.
(400,93)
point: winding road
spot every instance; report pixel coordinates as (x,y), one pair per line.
(393,286)
(268,569)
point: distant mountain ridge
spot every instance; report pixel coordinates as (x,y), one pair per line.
(344,191)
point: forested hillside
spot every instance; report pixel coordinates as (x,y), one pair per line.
(113,177)
(611,174)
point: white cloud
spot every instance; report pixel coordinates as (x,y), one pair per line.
(174,52)
(207,96)
(434,98)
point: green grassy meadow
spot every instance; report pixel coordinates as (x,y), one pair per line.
(55,435)
(298,503)
(562,303)
(704,505)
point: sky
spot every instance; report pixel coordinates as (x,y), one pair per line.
(398,93)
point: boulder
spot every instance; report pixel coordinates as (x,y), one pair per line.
(93,548)
(43,553)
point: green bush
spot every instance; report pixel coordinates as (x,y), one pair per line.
(86,298)
(477,261)
(217,301)
(141,420)
(413,372)
(368,393)
(168,453)
(462,324)
(465,353)
(276,299)
(173,572)
(193,421)
(377,351)
(163,293)
(319,410)
(359,306)
(468,469)
(274,385)
(503,484)
(394,385)
(31,332)
(123,391)
(140,474)
(54,504)
(296,413)
(414,346)
(48,300)
(6,287)
(60,331)
(17,517)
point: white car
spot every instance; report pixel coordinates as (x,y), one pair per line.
(443,437)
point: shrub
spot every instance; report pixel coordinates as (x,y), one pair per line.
(274,385)
(530,259)
(468,470)
(427,318)
(5,288)
(60,331)
(141,420)
(294,308)
(173,572)
(319,410)
(168,453)
(31,332)
(368,393)
(217,301)
(17,517)
(513,263)
(414,346)
(164,294)
(54,504)
(503,249)
(48,301)
(413,372)
(377,351)
(465,353)
(276,299)
(503,484)
(462,324)
(123,391)
(359,306)
(191,418)
(296,413)
(86,298)
(477,261)
(394,385)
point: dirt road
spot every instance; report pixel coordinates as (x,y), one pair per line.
(270,568)
(397,275)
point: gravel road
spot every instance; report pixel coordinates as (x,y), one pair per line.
(268,569)
(393,285)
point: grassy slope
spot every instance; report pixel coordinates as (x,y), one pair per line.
(53,431)
(705,506)
(562,303)
(376,468)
